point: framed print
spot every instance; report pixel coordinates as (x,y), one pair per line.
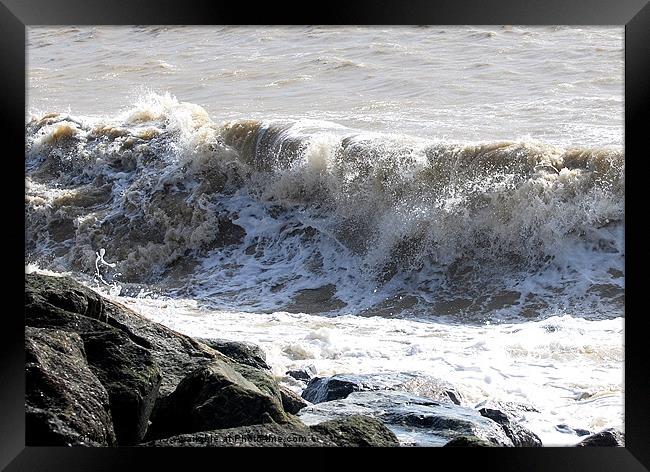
(397,228)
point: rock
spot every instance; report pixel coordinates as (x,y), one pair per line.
(131,377)
(515,409)
(414,420)
(356,431)
(242,352)
(509,415)
(566,429)
(352,431)
(66,405)
(520,436)
(117,355)
(468,441)
(304,374)
(323,389)
(62,303)
(291,401)
(215,396)
(606,438)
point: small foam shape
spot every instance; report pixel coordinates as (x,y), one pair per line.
(100,260)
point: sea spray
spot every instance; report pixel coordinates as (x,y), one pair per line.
(250,214)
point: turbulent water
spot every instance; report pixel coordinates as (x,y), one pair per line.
(444,201)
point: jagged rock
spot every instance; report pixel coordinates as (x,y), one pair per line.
(215,396)
(468,441)
(117,355)
(520,436)
(357,431)
(291,401)
(609,437)
(242,352)
(414,420)
(566,429)
(304,374)
(66,405)
(323,389)
(131,377)
(352,431)
(62,303)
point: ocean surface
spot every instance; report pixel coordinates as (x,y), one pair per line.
(446,201)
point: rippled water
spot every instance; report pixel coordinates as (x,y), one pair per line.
(561,85)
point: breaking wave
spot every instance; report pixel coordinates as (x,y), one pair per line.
(311,216)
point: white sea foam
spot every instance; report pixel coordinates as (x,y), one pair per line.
(567,367)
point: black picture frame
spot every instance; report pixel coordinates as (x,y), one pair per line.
(15,15)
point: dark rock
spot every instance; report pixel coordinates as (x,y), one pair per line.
(606,438)
(304,374)
(520,436)
(357,431)
(566,429)
(292,402)
(323,389)
(514,409)
(468,441)
(352,431)
(509,415)
(242,352)
(62,303)
(66,405)
(215,396)
(131,377)
(414,420)
(262,379)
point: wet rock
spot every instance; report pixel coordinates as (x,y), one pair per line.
(291,401)
(242,352)
(304,374)
(414,420)
(520,436)
(215,396)
(261,378)
(322,389)
(131,377)
(315,300)
(468,441)
(566,429)
(62,303)
(606,438)
(509,415)
(354,431)
(66,405)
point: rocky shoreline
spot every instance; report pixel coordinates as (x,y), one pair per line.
(99,374)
